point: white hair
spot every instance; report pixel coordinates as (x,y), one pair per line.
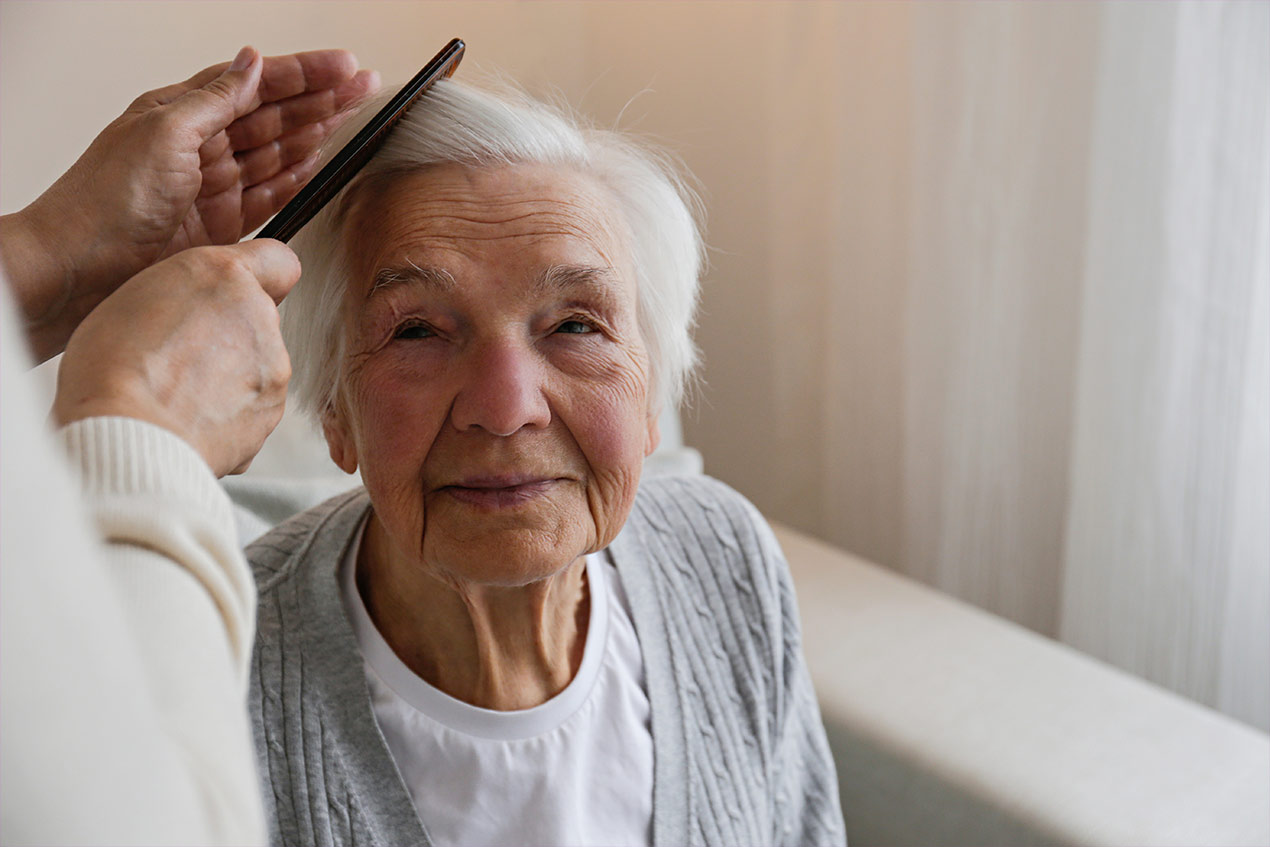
(456,122)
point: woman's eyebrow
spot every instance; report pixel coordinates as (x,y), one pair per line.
(597,282)
(388,278)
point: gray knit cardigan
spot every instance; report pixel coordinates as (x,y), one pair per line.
(740,756)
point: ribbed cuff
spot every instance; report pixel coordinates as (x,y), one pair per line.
(148,489)
(116,455)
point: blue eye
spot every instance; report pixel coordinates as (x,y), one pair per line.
(410,331)
(575,328)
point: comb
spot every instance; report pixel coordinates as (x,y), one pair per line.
(354,155)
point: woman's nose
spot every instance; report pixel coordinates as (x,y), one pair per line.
(501,391)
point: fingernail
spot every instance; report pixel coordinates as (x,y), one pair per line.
(243,60)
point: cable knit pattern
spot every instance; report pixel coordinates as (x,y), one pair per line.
(740,755)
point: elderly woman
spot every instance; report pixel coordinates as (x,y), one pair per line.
(506,637)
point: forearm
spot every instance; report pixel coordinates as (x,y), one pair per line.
(187,595)
(52,297)
(123,718)
(146,488)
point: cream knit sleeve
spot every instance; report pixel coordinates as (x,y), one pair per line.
(150,492)
(188,597)
(126,619)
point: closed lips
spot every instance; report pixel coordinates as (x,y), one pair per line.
(500,482)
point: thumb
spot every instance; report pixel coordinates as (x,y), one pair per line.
(213,106)
(274,264)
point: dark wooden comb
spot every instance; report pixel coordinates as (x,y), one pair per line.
(356,153)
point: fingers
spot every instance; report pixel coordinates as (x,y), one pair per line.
(224,193)
(276,136)
(267,145)
(213,149)
(281,76)
(287,76)
(214,98)
(208,109)
(299,141)
(271,262)
(273,120)
(263,163)
(261,201)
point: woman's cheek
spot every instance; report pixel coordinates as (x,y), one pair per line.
(611,402)
(398,411)
(612,441)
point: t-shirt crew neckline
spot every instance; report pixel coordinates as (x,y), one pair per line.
(464,717)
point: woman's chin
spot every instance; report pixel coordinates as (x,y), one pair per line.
(503,552)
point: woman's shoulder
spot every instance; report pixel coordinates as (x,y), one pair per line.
(696,492)
(321,531)
(708,540)
(685,505)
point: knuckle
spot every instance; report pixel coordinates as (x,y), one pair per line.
(275,415)
(165,121)
(219,88)
(282,373)
(276,374)
(191,265)
(217,262)
(224,277)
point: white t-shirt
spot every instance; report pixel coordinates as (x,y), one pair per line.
(576,770)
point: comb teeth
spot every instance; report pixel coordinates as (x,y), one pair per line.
(354,155)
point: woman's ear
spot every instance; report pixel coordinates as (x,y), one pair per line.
(653,437)
(338,439)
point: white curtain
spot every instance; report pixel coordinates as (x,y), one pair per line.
(1167,560)
(1087,344)
(1088,352)
(1030,361)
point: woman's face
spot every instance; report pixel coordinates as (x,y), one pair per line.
(495,393)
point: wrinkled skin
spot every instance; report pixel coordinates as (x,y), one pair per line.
(202,357)
(496,400)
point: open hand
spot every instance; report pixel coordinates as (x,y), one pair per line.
(249,168)
(201,162)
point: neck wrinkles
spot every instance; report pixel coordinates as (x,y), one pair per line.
(495,647)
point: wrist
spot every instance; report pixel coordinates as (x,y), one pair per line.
(40,276)
(39,246)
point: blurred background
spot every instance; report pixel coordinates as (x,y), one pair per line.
(989,295)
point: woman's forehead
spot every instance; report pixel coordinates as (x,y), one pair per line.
(474,211)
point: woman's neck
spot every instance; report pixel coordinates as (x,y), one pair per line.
(496,647)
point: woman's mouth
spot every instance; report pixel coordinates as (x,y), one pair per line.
(500,492)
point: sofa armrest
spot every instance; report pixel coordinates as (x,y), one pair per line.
(953,726)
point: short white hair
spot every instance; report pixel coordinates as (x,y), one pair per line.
(459,123)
